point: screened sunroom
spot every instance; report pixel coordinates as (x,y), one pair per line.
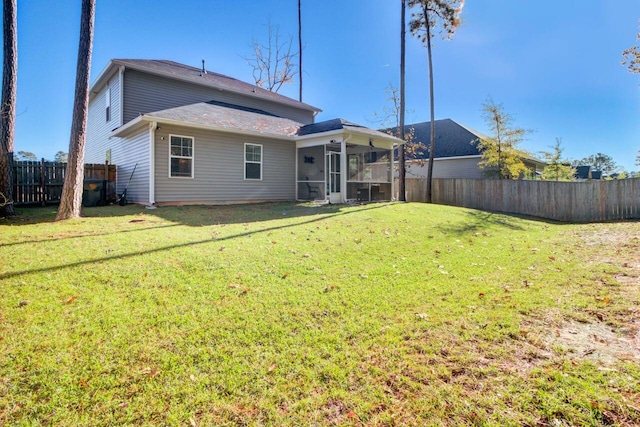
(340,162)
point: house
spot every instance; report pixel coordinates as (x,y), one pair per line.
(586,173)
(194,136)
(457,154)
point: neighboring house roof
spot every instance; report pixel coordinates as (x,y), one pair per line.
(582,172)
(452,138)
(187,73)
(342,124)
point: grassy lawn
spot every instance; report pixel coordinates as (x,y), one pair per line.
(294,314)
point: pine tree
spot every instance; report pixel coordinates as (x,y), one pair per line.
(71,199)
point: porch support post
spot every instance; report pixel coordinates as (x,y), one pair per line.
(295,178)
(343,170)
(391,172)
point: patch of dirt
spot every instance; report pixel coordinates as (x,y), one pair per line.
(617,245)
(597,341)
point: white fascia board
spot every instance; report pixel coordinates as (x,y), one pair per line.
(131,126)
(104,77)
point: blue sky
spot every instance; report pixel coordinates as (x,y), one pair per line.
(554,65)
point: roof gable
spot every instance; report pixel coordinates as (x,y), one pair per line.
(182,72)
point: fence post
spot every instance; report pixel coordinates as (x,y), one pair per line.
(42,183)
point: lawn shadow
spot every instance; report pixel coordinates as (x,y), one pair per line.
(190,215)
(318,213)
(478,221)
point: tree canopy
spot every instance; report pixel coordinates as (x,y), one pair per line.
(558,169)
(501,156)
(600,162)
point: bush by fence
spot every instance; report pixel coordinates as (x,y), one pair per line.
(40,182)
(562,201)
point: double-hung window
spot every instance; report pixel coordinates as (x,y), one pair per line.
(180,156)
(253,161)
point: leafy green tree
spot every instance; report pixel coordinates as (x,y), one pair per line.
(61,157)
(632,57)
(557,169)
(501,157)
(600,162)
(8,108)
(71,198)
(25,156)
(442,15)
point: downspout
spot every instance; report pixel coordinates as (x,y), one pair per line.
(343,168)
(152,164)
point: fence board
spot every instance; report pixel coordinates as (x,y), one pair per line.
(40,182)
(562,201)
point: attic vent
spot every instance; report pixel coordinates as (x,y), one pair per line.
(203,72)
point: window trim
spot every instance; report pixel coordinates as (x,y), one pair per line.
(244,164)
(192,158)
(107,104)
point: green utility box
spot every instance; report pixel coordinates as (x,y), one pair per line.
(93,192)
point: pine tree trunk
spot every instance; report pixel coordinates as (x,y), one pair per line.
(402,170)
(432,144)
(8,111)
(71,199)
(300,46)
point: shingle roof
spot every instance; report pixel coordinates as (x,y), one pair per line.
(452,139)
(338,124)
(193,74)
(230,117)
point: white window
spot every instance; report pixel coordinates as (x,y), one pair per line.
(180,156)
(107,103)
(253,161)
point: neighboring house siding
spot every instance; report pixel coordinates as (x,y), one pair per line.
(98,128)
(447,168)
(219,169)
(145,93)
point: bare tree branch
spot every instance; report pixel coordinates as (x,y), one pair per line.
(273,64)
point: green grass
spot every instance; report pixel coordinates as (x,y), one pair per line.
(285,314)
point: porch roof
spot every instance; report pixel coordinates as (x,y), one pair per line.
(342,124)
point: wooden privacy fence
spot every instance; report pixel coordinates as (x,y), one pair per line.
(40,182)
(561,201)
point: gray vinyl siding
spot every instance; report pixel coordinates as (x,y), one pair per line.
(125,153)
(219,169)
(131,151)
(98,128)
(145,93)
(447,168)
